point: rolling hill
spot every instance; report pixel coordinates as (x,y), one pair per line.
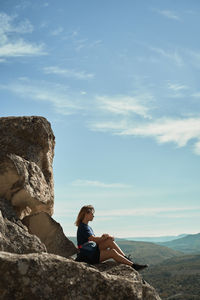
(145,252)
(176,278)
(187,244)
(156,239)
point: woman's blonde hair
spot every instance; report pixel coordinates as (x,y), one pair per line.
(84,210)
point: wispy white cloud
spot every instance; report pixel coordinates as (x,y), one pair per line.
(80,44)
(85,43)
(124,105)
(109,126)
(57,31)
(99,184)
(177,87)
(194,57)
(147,211)
(174,56)
(7,26)
(55,94)
(184,215)
(178,131)
(20,48)
(169,14)
(196,95)
(178,90)
(11,42)
(197,148)
(68,73)
(21,5)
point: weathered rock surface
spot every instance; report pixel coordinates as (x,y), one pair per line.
(14,236)
(48,276)
(26,193)
(26,155)
(50,233)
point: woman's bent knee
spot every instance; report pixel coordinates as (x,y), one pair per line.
(105,244)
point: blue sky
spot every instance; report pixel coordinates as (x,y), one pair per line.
(119,82)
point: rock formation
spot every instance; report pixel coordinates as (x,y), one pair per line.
(29,235)
(26,155)
(14,236)
(50,233)
(48,276)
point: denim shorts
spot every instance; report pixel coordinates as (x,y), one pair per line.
(91,257)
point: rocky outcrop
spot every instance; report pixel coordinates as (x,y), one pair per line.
(50,233)
(47,276)
(26,155)
(26,198)
(14,236)
(26,182)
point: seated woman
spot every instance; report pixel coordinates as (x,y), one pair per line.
(102,248)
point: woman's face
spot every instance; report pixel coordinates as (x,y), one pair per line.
(90,215)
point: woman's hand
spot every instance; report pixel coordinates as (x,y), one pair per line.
(106,236)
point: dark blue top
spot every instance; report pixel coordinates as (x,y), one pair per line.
(84,231)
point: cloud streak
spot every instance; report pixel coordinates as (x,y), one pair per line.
(81,75)
(165,130)
(99,184)
(20,48)
(177,87)
(169,14)
(123,105)
(11,43)
(57,31)
(146,211)
(179,131)
(55,94)
(167,212)
(173,56)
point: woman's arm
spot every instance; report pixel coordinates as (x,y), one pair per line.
(98,239)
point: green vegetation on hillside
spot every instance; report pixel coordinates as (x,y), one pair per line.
(145,252)
(176,278)
(187,244)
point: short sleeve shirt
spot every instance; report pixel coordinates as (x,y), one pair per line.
(83,233)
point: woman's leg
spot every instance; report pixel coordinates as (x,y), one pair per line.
(110,244)
(112,253)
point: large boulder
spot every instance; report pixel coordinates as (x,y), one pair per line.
(14,236)
(26,156)
(50,233)
(26,195)
(48,276)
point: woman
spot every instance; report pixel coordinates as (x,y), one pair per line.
(94,249)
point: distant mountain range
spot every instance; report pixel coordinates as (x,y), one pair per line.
(188,244)
(158,239)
